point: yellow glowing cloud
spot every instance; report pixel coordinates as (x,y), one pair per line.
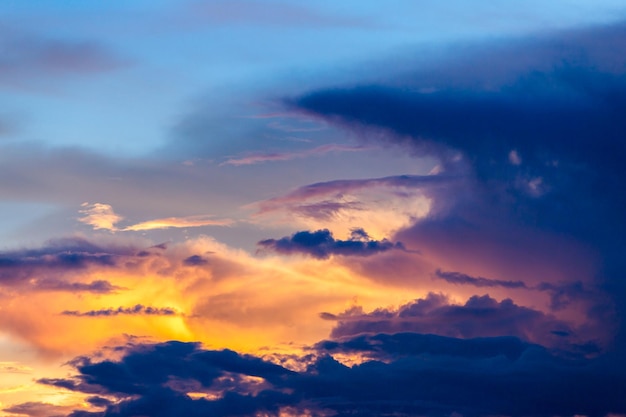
(99,216)
(225,297)
(380,210)
(102,216)
(190,221)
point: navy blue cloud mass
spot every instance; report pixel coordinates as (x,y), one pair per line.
(408,374)
(321,244)
(537,128)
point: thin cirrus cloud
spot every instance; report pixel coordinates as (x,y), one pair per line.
(247,12)
(287,156)
(28,57)
(138,309)
(102,216)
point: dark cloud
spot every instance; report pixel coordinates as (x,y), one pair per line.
(132,311)
(53,266)
(480,316)
(459,278)
(321,244)
(195,260)
(98,286)
(420,375)
(561,294)
(535,127)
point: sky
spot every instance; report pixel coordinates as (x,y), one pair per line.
(281,208)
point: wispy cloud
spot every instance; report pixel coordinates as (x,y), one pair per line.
(125,311)
(102,216)
(287,156)
(28,58)
(169,222)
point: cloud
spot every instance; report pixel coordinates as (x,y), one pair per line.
(380,205)
(136,310)
(29,59)
(324,189)
(533,129)
(39,409)
(62,255)
(459,278)
(101,216)
(479,316)
(287,156)
(420,375)
(98,286)
(282,14)
(561,293)
(321,244)
(189,221)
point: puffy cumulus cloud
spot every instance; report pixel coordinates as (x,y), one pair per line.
(99,216)
(102,216)
(321,244)
(420,375)
(479,316)
(380,205)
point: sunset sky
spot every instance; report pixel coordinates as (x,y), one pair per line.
(328,208)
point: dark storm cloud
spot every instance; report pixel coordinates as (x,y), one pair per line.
(126,311)
(383,346)
(561,111)
(537,128)
(321,244)
(421,375)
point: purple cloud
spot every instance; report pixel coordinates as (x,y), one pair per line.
(480,316)
(257,158)
(28,58)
